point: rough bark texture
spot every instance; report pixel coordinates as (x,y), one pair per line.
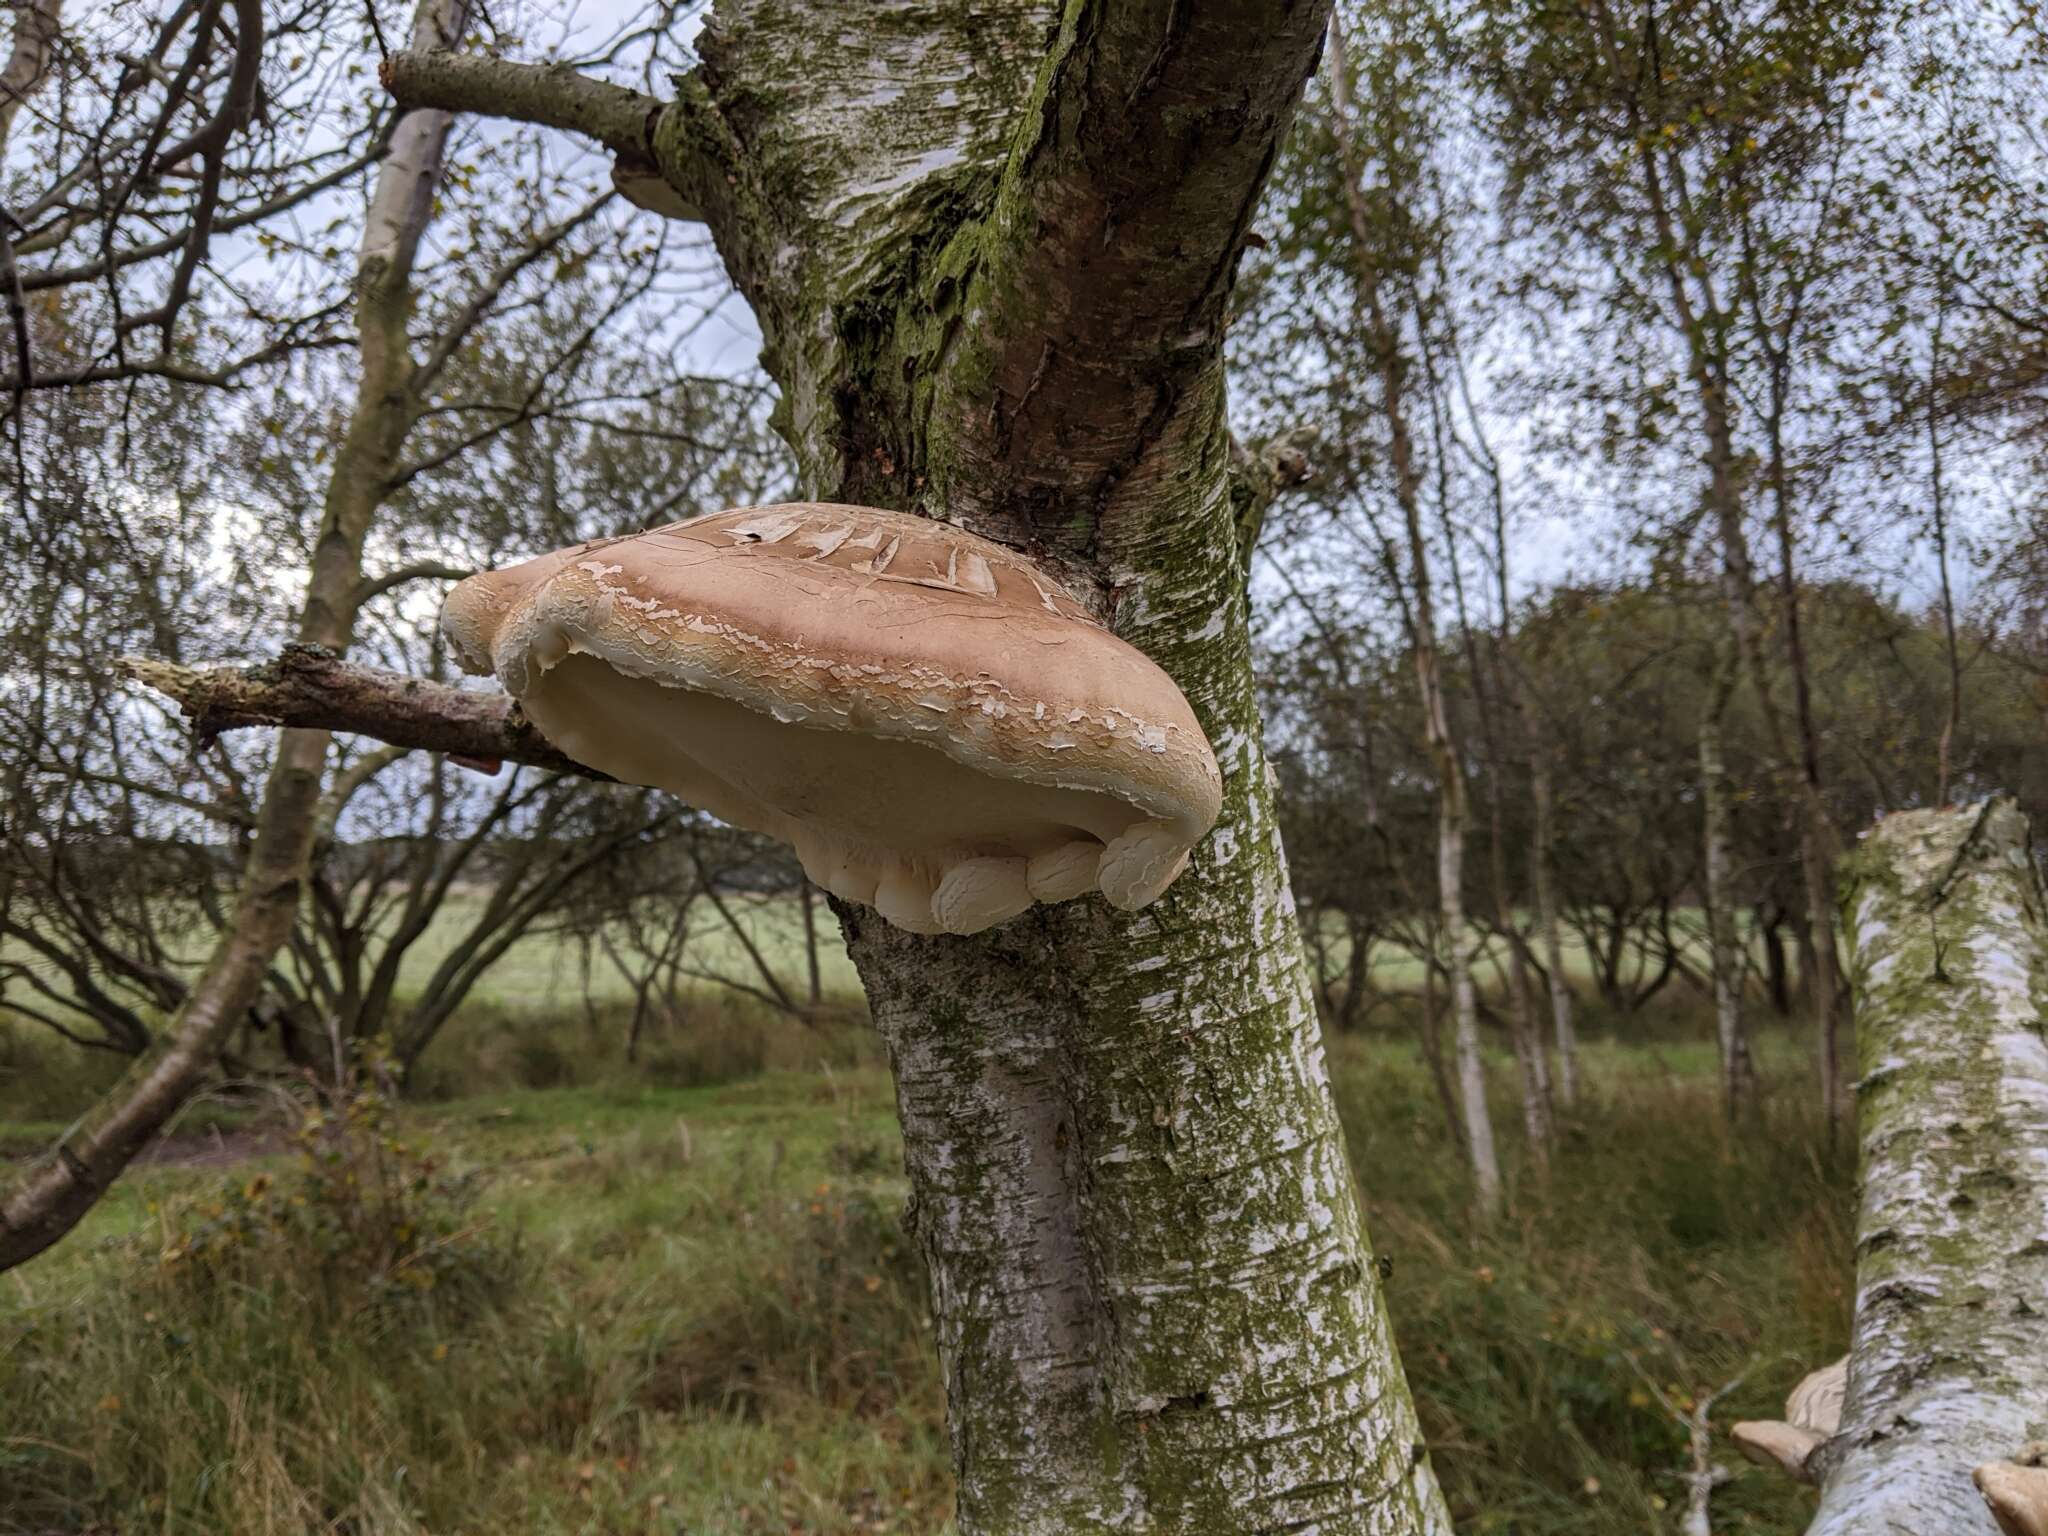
(1948,1364)
(310,688)
(47,1201)
(991,254)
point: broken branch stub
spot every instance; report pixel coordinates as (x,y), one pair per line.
(934,724)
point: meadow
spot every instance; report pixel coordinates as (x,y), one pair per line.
(547,1291)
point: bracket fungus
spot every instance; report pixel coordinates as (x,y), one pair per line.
(1814,1412)
(936,726)
(2016,1491)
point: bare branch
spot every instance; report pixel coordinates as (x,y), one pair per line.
(552,96)
(308,687)
(425,570)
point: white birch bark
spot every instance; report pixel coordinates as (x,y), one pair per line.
(1738,1076)
(1461,942)
(1948,1363)
(37,26)
(992,255)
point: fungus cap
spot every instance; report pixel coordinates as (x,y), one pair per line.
(933,723)
(1816,1403)
(1787,1447)
(2017,1496)
(1814,1409)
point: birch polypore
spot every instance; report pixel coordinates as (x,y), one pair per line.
(1948,1364)
(938,729)
(2016,1492)
(1812,1414)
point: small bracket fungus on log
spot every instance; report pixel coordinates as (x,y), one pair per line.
(1813,1413)
(2016,1490)
(936,726)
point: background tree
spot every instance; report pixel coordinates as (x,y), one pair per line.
(439,378)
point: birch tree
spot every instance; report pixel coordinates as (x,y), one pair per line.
(1358,213)
(1696,150)
(994,289)
(45,1203)
(1724,954)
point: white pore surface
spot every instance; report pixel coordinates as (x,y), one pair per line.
(934,845)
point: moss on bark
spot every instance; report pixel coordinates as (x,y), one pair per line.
(1949,1358)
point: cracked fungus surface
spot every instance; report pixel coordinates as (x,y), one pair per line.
(935,726)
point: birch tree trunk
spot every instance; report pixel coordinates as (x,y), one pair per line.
(991,254)
(1948,1364)
(48,1200)
(1724,958)
(1543,874)
(37,26)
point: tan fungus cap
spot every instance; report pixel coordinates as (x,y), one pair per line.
(931,721)
(1814,1410)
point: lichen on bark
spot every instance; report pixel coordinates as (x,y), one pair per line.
(1948,1364)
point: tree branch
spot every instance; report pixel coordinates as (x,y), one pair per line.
(550,95)
(1114,239)
(310,688)
(426,570)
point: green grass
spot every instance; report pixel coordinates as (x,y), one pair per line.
(684,1308)
(540,1017)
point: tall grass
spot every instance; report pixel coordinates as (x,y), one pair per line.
(693,1309)
(635,1328)
(1661,1245)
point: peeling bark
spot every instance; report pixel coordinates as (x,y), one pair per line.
(1948,1363)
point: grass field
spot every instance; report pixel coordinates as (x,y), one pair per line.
(623,1306)
(548,999)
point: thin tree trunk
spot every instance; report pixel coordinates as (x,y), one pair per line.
(1433,1049)
(1531,1057)
(1816,832)
(1460,940)
(1543,872)
(1704,323)
(37,26)
(1948,1362)
(1738,1075)
(815,992)
(42,1205)
(1532,1046)
(1777,974)
(1938,505)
